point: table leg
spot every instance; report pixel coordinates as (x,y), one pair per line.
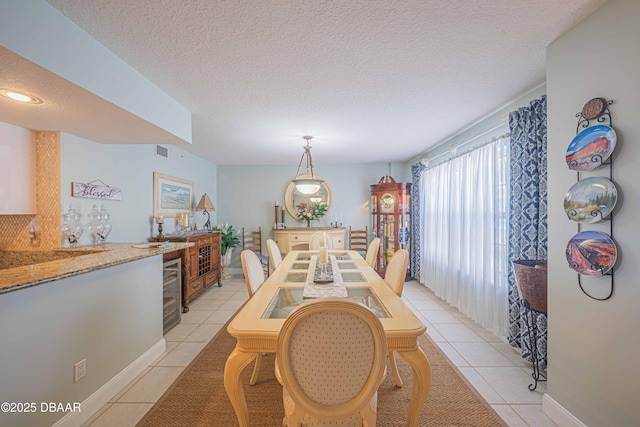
(236,362)
(421,382)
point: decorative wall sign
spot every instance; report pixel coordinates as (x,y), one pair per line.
(591,253)
(590,148)
(590,200)
(594,108)
(93,191)
(172,197)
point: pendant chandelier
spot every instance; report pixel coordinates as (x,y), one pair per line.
(307,183)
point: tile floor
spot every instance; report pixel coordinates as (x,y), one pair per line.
(491,366)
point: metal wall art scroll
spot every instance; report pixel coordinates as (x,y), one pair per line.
(592,199)
(94,191)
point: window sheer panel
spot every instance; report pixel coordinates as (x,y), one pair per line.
(464,228)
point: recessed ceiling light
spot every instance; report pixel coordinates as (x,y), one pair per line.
(20,96)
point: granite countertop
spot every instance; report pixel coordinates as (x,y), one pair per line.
(83,260)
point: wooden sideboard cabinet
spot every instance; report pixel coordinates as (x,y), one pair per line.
(200,263)
(295,239)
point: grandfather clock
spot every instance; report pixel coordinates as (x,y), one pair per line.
(390,218)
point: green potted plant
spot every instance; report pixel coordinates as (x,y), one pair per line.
(228,237)
(228,241)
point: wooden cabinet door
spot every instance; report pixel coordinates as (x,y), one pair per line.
(192,262)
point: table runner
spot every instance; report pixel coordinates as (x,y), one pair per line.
(332,289)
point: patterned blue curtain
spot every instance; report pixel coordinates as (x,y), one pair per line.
(528,215)
(416,171)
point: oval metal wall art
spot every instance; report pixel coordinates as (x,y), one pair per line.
(594,108)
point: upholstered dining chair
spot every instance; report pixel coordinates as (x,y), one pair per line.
(331,359)
(394,276)
(254,277)
(372,251)
(316,240)
(274,253)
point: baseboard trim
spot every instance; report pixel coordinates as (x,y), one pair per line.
(558,414)
(101,397)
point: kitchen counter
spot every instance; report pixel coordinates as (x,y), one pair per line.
(91,259)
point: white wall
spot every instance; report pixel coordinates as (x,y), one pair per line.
(109,317)
(493,125)
(130,168)
(17,170)
(246,194)
(594,346)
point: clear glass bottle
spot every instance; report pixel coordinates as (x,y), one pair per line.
(94,227)
(106,225)
(71,227)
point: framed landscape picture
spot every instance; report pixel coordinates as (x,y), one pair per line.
(171,196)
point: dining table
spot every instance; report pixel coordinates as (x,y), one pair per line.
(257,324)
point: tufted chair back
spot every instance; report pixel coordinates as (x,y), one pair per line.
(252,269)
(372,251)
(316,239)
(274,253)
(331,357)
(397,270)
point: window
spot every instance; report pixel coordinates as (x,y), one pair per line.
(464,213)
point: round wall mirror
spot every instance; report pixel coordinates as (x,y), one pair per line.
(293,197)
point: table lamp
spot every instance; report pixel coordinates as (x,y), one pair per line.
(205,205)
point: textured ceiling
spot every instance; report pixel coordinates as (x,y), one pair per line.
(372,81)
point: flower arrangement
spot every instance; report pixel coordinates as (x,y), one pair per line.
(228,237)
(310,213)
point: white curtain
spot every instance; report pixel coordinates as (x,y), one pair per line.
(464,214)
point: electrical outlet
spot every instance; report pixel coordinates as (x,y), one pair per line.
(79,370)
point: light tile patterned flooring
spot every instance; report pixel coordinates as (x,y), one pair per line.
(491,366)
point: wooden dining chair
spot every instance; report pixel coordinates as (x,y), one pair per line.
(358,239)
(252,241)
(274,254)
(316,240)
(254,277)
(372,252)
(394,277)
(331,359)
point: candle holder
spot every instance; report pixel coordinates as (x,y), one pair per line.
(336,224)
(160,221)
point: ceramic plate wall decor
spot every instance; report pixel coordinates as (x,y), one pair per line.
(590,148)
(591,253)
(590,200)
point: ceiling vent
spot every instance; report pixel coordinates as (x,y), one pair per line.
(162,151)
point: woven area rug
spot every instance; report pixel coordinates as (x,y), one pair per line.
(198,398)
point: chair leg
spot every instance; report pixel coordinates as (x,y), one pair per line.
(256,370)
(369,415)
(394,368)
